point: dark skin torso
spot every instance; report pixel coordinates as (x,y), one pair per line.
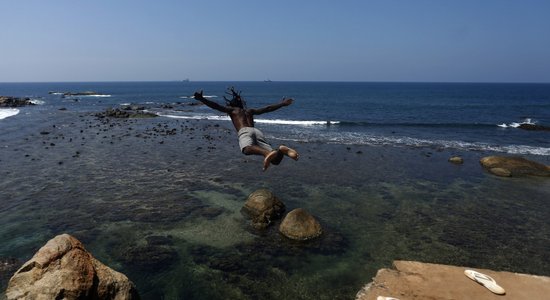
(241,118)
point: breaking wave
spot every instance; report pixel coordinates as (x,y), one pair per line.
(527,121)
(356,138)
(264,121)
(8,112)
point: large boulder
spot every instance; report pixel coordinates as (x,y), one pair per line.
(300,225)
(513,166)
(262,206)
(63,269)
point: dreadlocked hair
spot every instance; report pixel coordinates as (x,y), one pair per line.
(236,99)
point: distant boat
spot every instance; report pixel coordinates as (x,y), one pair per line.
(267,80)
(185,80)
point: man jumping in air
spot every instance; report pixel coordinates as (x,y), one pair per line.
(251,140)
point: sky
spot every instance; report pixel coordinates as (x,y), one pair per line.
(307,40)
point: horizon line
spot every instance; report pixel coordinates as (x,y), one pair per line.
(284,81)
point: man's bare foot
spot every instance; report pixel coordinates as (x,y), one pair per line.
(269,158)
(289,152)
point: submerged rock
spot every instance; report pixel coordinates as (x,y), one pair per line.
(262,206)
(63,269)
(151,257)
(514,166)
(456,160)
(300,225)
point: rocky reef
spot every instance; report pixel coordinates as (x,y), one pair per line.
(7,101)
(126,112)
(534,127)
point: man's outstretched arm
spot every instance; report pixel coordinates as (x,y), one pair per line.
(211,104)
(273,107)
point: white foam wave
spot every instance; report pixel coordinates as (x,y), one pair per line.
(294,122)
(197,117)
(264,121)
(527,121)
(354,138)
(95,95)
(8,112)
(37,102)
(193,97)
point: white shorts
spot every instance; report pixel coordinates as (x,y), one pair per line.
(249,136)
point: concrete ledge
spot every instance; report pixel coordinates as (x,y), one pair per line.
(416,280)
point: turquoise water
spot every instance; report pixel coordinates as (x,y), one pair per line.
(164,207)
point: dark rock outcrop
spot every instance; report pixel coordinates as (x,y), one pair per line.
(63,269)
(7,101)
(262,206)
(534,127)
(513,166)
(125,113)
(300,225)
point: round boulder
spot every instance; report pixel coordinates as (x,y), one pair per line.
(300,225)
(262,206)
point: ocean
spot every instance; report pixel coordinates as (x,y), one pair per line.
(159,199)
(472,116)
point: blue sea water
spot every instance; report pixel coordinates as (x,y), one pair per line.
(165,209)
(472,116)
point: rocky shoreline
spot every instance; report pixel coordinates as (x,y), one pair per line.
(182,178)
(8,101)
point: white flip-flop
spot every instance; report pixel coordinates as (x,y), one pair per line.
(385,298)
(485,280)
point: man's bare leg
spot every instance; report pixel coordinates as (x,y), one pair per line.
(274,156)
(289,152)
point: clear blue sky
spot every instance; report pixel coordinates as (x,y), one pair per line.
(126,40)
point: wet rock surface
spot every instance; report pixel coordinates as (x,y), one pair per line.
(8,101)
(262,206)
(300,225)
(456,160)
(514,166)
